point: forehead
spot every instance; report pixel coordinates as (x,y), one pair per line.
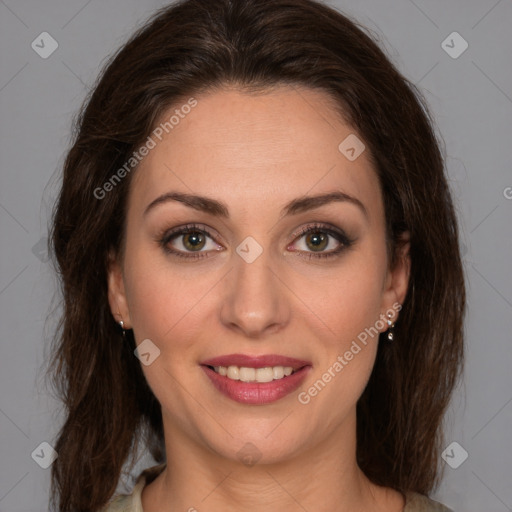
(258,150)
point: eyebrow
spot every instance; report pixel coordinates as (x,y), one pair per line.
(220,209)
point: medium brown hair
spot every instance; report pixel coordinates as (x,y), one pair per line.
(195,46)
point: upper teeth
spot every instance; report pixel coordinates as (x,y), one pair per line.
(245,374)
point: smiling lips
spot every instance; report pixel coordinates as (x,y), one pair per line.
(255,379)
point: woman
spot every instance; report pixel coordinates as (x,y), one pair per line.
(261,275)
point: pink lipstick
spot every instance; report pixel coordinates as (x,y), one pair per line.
(239,366)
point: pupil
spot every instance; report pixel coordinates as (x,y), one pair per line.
(318,239)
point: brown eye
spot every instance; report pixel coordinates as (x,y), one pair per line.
(317,241)
(194,241)
(189,241)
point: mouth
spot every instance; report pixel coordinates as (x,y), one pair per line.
(248,374)
(256,379)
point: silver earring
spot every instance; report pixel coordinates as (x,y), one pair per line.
(121,324)
(390,327)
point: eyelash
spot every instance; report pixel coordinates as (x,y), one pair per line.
(342,238)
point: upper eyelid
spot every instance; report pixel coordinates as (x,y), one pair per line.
(182,230)
(319,226)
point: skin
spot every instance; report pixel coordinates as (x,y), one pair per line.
(255,153)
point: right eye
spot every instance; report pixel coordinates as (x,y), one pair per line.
(185,241)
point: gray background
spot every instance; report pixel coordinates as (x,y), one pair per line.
(471,98)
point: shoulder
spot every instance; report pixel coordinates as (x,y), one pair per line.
(132,502)
(121,503)
(415,502)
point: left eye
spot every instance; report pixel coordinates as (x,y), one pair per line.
(317,240)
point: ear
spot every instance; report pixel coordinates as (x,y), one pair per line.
(397,279)
(116,292)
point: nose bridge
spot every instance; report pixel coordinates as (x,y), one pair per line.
(255,301)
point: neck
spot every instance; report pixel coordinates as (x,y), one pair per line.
(322,477)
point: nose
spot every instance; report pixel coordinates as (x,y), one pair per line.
(256,299)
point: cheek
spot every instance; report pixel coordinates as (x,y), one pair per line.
(354,305)
(350,308)
(348,299)
(164,303)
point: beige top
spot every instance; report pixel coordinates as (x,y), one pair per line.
(414,502)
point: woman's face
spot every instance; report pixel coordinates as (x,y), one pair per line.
(246,280)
